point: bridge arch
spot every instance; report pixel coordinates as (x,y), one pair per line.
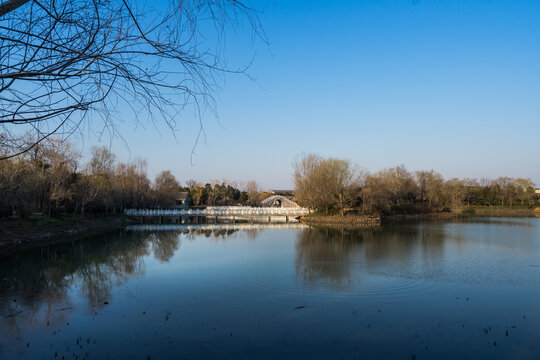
(279,201)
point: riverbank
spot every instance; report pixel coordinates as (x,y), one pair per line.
(369,221)
(39,228)
(499,211)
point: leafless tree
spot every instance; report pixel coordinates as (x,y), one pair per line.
(525,190)
(132,185)
(399,182)
(324,183)
(71,65)
(430,187)
(166,188)
(253,191)
(455,192)
(375,194)
(341,182)
(305,180)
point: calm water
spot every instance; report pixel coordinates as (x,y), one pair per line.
(440,289)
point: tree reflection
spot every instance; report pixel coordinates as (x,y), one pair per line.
(337,257)
(34,282)
(325,254)
(252,234)
(165,244)
(37,280)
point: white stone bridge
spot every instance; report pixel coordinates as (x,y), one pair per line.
(221,211)
(232,212)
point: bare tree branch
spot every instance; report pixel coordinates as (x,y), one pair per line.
(64,62)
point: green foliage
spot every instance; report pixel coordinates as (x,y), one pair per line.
(217,194)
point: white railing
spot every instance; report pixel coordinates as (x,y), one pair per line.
(220,211)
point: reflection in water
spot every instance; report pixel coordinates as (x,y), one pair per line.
(218,231)
(164,244)
(221,292)
(36,281)
(325,255)
(339,256)
(40,278)
(472,251)
(394,248)
(335,258)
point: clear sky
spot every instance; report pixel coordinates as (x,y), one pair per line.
(452,86)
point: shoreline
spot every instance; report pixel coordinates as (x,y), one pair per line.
(365,221)
(31,232)
(499,211)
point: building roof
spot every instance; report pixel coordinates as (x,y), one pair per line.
(282,192)
(182,196)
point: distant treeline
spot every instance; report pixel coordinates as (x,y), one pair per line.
(50,180)
(332,185)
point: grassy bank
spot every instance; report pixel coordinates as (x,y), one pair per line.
(16,232)
(498,211)
(369,221)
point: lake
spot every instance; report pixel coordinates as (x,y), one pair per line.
(445,289)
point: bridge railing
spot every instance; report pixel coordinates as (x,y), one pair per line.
(220,211)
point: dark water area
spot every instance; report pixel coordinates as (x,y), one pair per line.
(452,289)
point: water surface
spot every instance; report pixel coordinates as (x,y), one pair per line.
(436,289)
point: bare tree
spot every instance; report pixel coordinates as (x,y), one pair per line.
(102,161)
(525,190)
(504,188)
(85,190)
(132,184)
(66,61)
(62,163)
(325,183)
(375,195)
(167,189)
(399,182)
(341,182)
(470,186)
(253,191)
(305,169)
(430,187)
(456,192)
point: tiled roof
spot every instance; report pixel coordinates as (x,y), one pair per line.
(182,196)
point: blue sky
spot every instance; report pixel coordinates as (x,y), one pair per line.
(452,86)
